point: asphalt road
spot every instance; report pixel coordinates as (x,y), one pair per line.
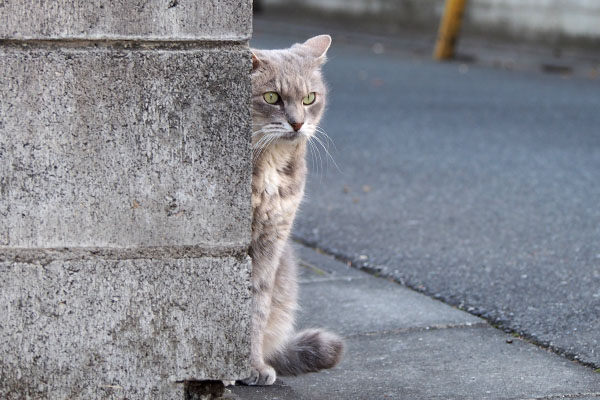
(478,186)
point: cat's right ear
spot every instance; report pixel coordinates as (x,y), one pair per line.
(318,47)
(255,62)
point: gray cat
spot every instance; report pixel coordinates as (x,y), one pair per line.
(288,100)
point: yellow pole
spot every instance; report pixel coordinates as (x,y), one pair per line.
(449,29)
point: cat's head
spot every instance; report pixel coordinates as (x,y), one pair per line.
(288,92)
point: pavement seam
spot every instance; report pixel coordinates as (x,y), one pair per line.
(335,279)
(313,268)
(567,396)
(413,329)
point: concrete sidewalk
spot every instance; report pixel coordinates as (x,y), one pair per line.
(405,345)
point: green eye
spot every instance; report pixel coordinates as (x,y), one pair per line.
(271,97)
(309,99)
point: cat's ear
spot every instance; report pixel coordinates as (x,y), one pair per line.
(256,62)
(318,46)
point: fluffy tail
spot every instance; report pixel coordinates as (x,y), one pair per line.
(308,351)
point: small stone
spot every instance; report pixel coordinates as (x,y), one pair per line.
(378,48)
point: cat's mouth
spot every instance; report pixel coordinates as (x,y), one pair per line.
(290,135)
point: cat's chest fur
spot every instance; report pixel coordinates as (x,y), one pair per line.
(277,189)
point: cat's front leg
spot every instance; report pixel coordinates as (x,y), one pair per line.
(262,289)
(262,374)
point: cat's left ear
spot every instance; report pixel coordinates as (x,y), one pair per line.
(318,47)
(255,62)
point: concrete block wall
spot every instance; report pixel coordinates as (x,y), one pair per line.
(124,196)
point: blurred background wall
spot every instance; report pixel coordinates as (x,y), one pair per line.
(533,20)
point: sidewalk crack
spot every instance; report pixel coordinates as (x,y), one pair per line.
(567,396)
(389,332)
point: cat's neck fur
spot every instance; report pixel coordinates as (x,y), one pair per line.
(283,158)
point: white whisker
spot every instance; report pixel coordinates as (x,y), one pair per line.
(325,135)
(264,142)
(313,153)
(327,151)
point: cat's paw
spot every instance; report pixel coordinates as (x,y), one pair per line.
(261,376)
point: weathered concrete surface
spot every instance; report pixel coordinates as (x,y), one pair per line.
(279,391)
(362,304)
(124,197)
(371,299)
(126,19)
(464,363)
(125,328)
(105,147)
(316,267)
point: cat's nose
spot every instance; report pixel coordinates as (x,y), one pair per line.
(296,125)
